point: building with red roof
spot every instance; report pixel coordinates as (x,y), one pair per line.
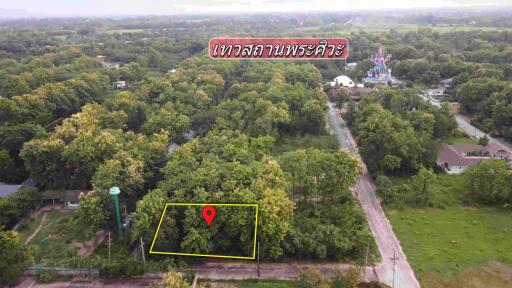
(455,159)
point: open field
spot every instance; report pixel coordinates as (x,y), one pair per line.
(54,221)
(494,274)
(384,28)
(60,234)
(447,190)
(121,31)
(450,241)
(460,138)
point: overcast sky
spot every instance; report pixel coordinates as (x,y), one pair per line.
(144,7)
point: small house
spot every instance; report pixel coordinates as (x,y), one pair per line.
(101,58)
(7,189)
(119,84)
(455,159)
(111,65)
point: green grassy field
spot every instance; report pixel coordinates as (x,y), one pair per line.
(27,228)
(447,190)
(60,234)
(448,241)
(495,275)
(457,246)
(460,138)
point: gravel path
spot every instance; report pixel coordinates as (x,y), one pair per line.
(43,221)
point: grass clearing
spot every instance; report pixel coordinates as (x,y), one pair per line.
(457,246)
(323,141)
(449,241)
(494,274)
(60,233)
(448,190)
(28,227)
(254,283)
(460,138)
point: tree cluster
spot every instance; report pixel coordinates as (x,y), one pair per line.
(489,183)
(397,131)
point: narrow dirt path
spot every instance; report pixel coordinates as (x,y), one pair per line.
(43,221)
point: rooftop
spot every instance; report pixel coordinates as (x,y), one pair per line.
(457,155)
(8,189)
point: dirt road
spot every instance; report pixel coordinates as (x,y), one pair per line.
(43,222)
(387,243)
(214,269)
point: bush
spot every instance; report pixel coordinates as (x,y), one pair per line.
(46,276)
(50,275)
(13,256)
(115,268)
(163,264)
(173,279)
(17,205)
(320,232)
(313,278)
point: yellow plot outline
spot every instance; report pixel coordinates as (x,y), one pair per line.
(206,255)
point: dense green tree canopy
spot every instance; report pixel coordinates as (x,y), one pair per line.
(13,256)
(225,167)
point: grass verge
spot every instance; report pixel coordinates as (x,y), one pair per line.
(322,141)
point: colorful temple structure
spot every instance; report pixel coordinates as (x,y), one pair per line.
(380,73)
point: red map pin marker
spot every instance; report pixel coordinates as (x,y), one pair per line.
(208,214)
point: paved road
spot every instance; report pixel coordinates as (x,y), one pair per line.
(387,243)
(465,125)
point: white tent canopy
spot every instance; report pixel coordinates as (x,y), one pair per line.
(343,81)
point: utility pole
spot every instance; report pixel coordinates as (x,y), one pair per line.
(394,259)
(366,259)
(258,259)
(126,223)
(109,244)
(142,248)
